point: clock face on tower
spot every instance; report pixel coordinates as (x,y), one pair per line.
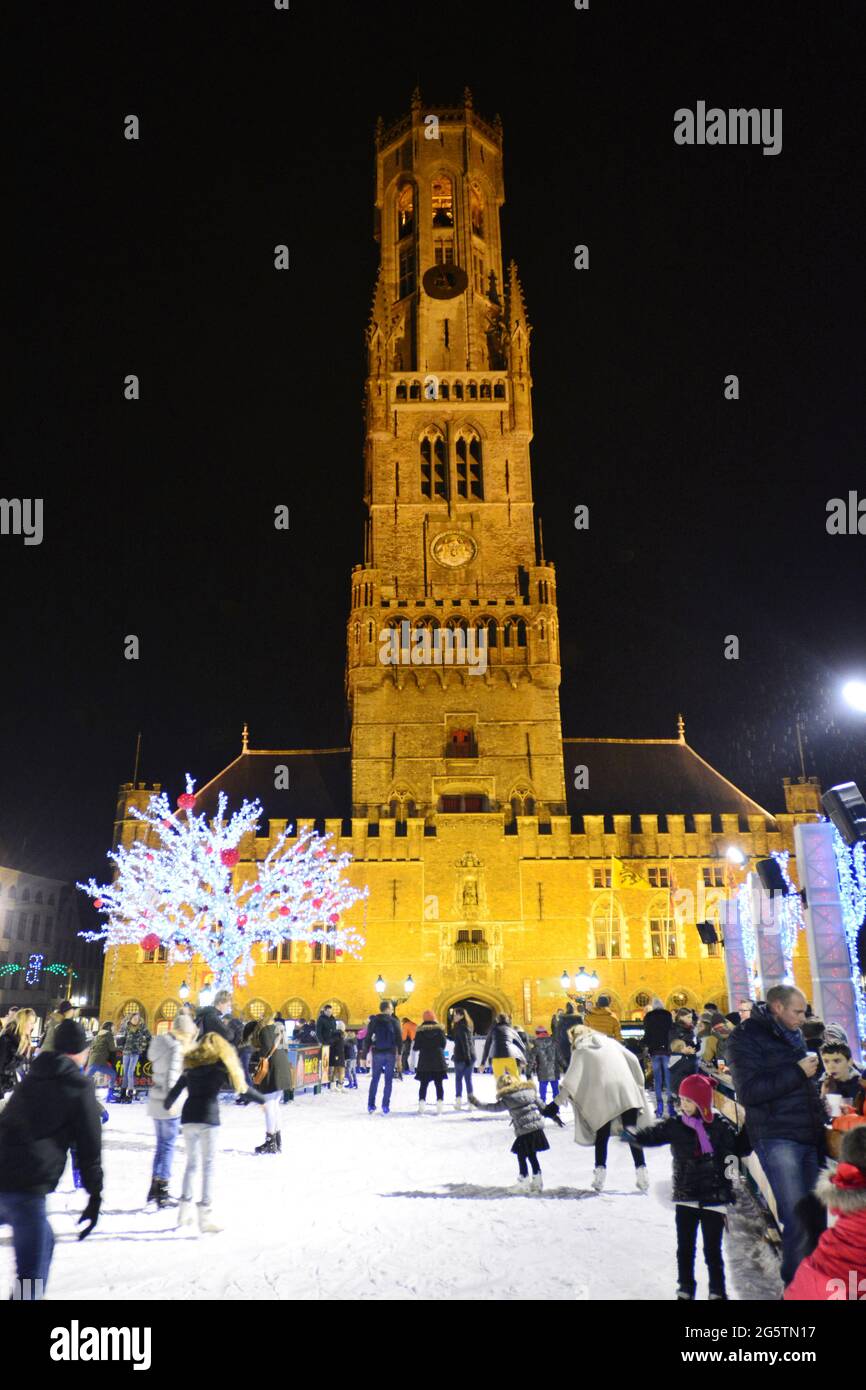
(444,281)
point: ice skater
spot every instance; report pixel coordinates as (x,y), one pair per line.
(166,1054)
(211,1066)
(520,1099)
(604,1082)
(702,1143)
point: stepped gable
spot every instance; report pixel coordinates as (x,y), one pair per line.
(650,777)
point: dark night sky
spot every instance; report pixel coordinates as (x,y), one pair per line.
(707,517)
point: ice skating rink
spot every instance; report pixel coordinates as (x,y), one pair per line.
(364,1206)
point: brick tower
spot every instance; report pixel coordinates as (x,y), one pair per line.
(450,537)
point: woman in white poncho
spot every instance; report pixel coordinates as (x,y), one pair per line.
(604,1083)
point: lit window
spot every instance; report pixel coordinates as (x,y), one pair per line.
(443,202)
(601,878)
(405,210)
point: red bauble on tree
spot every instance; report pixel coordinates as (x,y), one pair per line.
(284,911)
(150,942)
(317,903)
(186,801)
(229,857)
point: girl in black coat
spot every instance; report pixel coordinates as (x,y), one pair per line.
(266,1046)
(430,1043)
(703,1146)
(209,1068)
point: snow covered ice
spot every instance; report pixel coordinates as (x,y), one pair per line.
(404,1206)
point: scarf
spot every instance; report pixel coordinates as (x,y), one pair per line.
(696,1123)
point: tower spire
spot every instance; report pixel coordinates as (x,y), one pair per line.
(681,728)
(245,738)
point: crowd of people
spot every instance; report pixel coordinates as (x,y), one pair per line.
(793,1074)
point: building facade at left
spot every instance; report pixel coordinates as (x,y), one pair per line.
(42,957)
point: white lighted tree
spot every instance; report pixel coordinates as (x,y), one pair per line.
(175,887)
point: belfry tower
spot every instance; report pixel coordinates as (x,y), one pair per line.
(450,538)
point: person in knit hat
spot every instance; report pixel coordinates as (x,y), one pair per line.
(836,1269)
(526,1114)
(430,1043)
(701,1143)
(53,1111)
(835,1033)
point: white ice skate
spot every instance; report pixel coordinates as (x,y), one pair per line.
(642,1179)
(206,1222)
(458,1104)
(439,1107)
(421,1107)
(536,1183)
(185,1213)
(598,1177)
(522,1186)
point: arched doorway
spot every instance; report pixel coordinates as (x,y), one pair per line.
(481,1013)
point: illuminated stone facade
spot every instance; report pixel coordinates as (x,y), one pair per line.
(484,836)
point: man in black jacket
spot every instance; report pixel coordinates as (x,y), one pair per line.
(658,1025)
(53,1110)
(384,1037)
(560,1026)
(213,1018)
(773,1075)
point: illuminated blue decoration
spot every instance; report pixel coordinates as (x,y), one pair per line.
(788,913)
(851,867)
(34,968)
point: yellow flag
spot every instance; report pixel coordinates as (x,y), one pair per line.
(625,876)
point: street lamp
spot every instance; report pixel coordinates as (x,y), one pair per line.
(854,694)
(736,855)
(397,999)
(206,996)
(584,983)
(183,992)
(379,986)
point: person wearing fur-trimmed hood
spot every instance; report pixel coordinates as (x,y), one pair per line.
(521,1101)
(211,1066)
(166,1053)
(836,1269)
(604,1083)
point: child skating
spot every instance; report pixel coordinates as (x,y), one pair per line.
(703,1146)
(520,1099)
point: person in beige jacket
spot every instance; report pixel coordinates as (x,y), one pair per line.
(605,1084)
(602,1018)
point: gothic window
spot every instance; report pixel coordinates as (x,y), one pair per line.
(443,202)
(405,210)
(131,1007)
(521,632)
(663,937)
(485,390)
(407,272)
(357,634)
(256,1009)
(472,390)
(492,633)
(458,390)
(295,1009)
(499,390)
(476,210)
(469,476)
(401,391)
(444,252)
(434,465)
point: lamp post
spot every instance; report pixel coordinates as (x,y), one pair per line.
(585,983)
(395,1000)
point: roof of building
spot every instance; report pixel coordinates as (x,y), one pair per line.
(626,777)
(632,776)
(319,784)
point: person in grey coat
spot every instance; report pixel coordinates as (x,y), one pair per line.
(520,1099)
(544,1063)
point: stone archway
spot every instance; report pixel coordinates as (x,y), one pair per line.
(482,996)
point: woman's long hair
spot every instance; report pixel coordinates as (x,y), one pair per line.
(214,1048)
(23,1033)
(467,1019)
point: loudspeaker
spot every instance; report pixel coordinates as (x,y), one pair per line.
(845,807)
(769,871)
(707,932)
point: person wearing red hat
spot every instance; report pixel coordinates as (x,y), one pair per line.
(701,1145)
(836,1269)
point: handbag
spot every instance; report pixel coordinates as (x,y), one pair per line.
(260,1075)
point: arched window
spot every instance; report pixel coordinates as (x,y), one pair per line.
(476,210)
(443,201)
(401,391)
(338,1008)
(606,932)
(25,896)
(458,390)
(405,210)
(257,1009)
(434,464)
(295,1010)
(165,1014)
(472,390)
(492,633)
(521,632)
(38,896)
(485,390)
(662,932)
(470,482)
(499,390)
